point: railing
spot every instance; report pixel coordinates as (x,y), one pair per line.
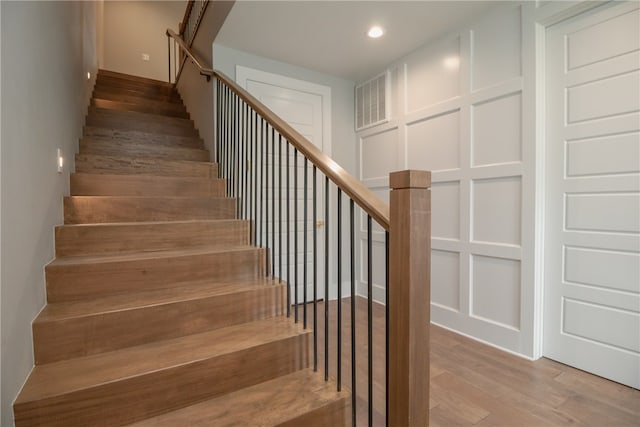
(188,28)
(273,171)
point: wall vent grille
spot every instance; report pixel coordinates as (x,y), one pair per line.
(372,106)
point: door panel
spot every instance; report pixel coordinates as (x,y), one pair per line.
(592,218)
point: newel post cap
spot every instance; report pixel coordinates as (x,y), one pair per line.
(409,179)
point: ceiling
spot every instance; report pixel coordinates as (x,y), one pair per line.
(330,36)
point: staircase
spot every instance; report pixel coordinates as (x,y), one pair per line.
(159,310)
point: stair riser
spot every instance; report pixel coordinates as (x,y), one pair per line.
(136,98)
(124,91)
(150,127)
(91,210)
(140,185)
(136,137)
(143,150)
(174,105)
(151,89)
(82,336)
(133,399)
(108,74)
(115,239)
(122,106)
(136,116)
(84,281)
(141,166)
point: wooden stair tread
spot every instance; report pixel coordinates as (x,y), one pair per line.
(98,133)
(139,256)
(143,150)
(271,403)
(72,375)
(87,184)
(140,116)
(129,165)
(129,237)
(139,107)
(109,209)
(180,292)
(128,77)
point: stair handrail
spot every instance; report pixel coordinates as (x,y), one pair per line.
(353,187)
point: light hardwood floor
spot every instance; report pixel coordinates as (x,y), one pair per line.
(473,384)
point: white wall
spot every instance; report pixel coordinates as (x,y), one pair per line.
(461,108)
(45,90)
(132,28)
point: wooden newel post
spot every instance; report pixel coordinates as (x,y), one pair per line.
(409,297)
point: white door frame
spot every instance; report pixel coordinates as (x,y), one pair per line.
(244,74)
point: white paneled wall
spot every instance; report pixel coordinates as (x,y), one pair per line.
(458,111)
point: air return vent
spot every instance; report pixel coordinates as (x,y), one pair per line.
(372,102)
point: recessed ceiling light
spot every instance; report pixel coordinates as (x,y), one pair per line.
(375,32)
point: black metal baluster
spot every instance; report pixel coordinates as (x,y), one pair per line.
(315,270)
(266,197)
(217,147)
(245,160)
(227,160)
(256,168)
(339,271)
(352,256)
(295,230)
(280,208)
(326,278)
(370,316)
(304,239)
(288,238)
(252,168)
(386,325)
(237,153)
(260,183)
(169,55)
(273,202)
(232,160)
(241,162)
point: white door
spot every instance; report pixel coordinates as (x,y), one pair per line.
(303,106)
(592,219)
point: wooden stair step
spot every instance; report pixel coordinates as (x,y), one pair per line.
(124,135)
(106,239)
(137,116)
(134,96)
(72,279)
(102,119)
(86,184)
(301,398)
(126,148)
(101,209)
(94,163)
(123,386)
(102,73)
(175,105)
(141,108)
(146,87)
(80,328)
(126,88)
